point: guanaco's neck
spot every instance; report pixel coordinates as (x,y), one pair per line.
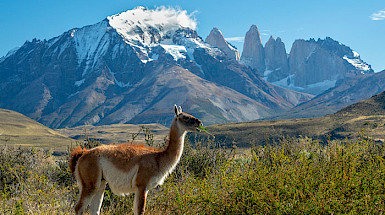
(172,153)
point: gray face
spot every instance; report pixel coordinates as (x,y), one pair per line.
(191,123)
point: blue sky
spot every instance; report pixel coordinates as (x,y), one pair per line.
(358,24)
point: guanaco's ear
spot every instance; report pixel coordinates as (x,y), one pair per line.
(176,110)
(180,109)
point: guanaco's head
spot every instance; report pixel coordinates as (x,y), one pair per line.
(187,121)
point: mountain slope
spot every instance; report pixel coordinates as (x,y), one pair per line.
(350,122)
(375,105)
(17,129)
(346,92)
(115,72)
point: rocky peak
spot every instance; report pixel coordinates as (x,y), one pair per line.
(216,39)
(277,66)
(253,54)
(351,58)
(270,41)
(319,64)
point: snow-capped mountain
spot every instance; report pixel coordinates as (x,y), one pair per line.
(316,66)
(311,66)
(131,68)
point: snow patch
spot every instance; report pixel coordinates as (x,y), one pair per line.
(326,84)
(266,74)
(288,82)
(153,57)
(78,83)
(200,67)
(176,51)
(356,62)
(73,94)
(119,83)
(91,43)
(11,52)
(52,41)
(311,53)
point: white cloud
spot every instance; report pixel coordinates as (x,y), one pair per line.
(167,17)
(235,39)
(380,15)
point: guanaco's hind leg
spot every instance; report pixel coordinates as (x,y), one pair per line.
(140,200)
(89,176)
(97,200)
(93,196)
(83,202)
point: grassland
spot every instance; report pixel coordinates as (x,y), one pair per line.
(117,133)
(17,129)
(322,128)
(292,176)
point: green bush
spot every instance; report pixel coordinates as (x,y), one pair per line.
(29,183)
(294,176)
(291,176)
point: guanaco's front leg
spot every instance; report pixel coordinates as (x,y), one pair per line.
(140,200)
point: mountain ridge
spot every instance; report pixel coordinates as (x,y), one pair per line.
(92,74)
(346,92)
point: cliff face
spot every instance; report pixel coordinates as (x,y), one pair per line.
(317,65)
(216,39)
(277,67)
(253,53)
(311,67)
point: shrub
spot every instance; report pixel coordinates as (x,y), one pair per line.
(299,176)
(28,183)
(290,176)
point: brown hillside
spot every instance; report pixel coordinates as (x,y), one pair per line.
(366,117)
(17,129)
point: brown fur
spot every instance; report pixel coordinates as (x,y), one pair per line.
(75,155)
(124,156)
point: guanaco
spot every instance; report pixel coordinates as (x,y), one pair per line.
(128,168)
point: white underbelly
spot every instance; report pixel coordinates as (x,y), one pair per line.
(120,182)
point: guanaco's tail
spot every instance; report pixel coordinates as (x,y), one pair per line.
(75,155)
